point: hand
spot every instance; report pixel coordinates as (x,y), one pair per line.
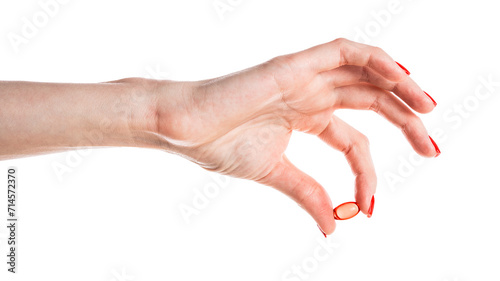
(240,124)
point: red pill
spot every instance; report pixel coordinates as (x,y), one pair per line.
(346,211)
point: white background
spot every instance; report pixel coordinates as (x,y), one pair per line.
(115,213)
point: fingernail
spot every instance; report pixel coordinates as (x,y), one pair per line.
(372,204)
(433,101)
(345,211)
(404,68)
(435,147)
(321,230)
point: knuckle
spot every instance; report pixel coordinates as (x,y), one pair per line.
(377,51)
(303,190)
(393,87)
(358,144)
(344,50)
(377,102)
(362,141)
(375,54)
(340,41)
(307,193)
(412,121)
(283,60)
(280,70)
(364,74)
(341,45)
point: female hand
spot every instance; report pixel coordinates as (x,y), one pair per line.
(240,124)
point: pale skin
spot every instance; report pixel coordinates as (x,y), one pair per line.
(239,124)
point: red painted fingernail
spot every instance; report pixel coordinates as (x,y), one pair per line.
(404,68)
(435,147)
(372,204)
(321,230)
(433,101)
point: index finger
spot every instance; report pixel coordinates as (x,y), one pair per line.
(341,52)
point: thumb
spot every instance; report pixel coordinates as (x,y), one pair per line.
(304,190)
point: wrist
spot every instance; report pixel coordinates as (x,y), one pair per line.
(162,112)
(113,114)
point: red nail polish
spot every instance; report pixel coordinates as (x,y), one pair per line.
(404,68)
(372,204)
(321,230)
(435,147)
(433,101)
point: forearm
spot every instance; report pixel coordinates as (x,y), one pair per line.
(38,118)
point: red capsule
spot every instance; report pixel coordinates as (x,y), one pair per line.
(345,211)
